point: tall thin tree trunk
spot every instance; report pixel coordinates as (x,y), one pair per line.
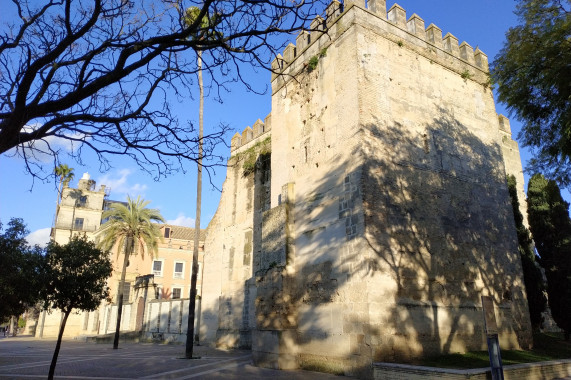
(12,326)
(58,345)
(72,220)
(193,278)
(59,196)
(128,251)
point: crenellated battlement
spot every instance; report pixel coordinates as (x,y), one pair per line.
(250,135)
(309,43)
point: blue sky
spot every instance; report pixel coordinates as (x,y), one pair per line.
(481,23)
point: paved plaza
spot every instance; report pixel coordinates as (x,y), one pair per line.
(28,358)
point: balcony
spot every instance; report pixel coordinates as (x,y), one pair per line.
(74,227)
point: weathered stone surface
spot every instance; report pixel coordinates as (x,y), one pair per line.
(386,215)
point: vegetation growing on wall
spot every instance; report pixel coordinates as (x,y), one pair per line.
(249,157)
(312,65)
(313,61)
(466,75)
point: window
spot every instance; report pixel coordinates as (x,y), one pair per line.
(78,224)
(176,293)
(126,291)
(158,268)
(158,292)
(178,270)
(82,201)
(167,232)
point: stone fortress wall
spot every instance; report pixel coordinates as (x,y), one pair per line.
(381,215)
(227,308)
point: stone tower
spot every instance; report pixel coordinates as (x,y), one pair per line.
(79,211)
(381,214)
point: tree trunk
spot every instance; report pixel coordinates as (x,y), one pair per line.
(72,220)
(193,278)
(59,196)
(12,326)
(58,345)
(128,251)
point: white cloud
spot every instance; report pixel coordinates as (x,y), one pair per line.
(41,150)
(40,237)
(182,220)
(118,183)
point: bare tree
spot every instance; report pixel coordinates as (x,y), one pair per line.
(102,74)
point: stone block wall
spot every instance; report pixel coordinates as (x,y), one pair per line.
(531,371)
(398,130)
(386,214)
(233,242)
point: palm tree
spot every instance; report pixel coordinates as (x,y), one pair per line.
(64,174)
(130,229)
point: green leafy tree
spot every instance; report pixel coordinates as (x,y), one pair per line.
(551,229)
(130,229)
(532,276)
(76,278)
(20,270)
(532,72)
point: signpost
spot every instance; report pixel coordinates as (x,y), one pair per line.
(491,328)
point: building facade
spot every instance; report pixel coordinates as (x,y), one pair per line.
(366,216)
(79,211)
(149,278)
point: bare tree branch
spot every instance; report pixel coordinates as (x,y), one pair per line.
(101,74)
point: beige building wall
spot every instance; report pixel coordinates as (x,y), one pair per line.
(390,215)
(233,236)
(80,212)
(512,160)
(176,247)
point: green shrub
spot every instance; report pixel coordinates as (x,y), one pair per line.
(312,65)
(249,157)
(466,74)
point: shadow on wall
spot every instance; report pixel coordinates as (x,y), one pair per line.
(393,251)
(385,260)
(438,222)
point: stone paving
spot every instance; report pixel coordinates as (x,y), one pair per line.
(29,358)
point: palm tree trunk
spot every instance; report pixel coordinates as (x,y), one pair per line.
(58,345)
(128,251)
(72,220)
(193,278)
(59,195)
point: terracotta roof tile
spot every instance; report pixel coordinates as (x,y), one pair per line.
(183,233)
